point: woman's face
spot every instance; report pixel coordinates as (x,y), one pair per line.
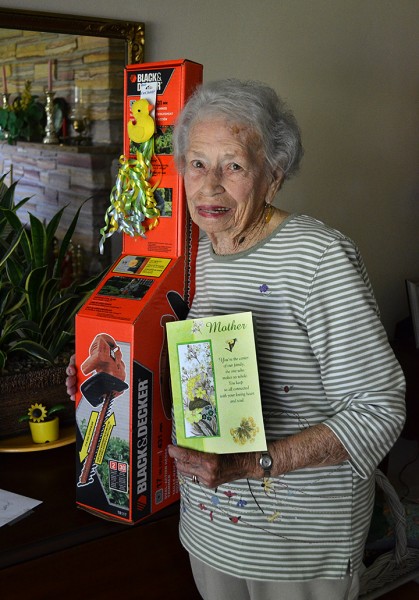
(225,178)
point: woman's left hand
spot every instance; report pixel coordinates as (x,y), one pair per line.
(212,470)
(71,379)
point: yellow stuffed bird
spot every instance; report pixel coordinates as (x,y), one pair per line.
(141,126)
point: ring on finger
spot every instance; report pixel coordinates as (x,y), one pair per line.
(195,479)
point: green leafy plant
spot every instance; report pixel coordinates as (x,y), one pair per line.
(36,311)
(24,119)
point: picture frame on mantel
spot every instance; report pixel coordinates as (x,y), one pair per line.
(412,287)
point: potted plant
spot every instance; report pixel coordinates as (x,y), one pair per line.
(24,119)
(37,309)
(43,422)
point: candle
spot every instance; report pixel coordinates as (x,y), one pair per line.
(50,75)
(4,80)
(64,128)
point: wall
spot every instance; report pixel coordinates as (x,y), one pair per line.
(348,68)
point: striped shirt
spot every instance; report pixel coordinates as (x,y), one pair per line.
(323,357)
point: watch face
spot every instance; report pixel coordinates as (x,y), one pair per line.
(266,461)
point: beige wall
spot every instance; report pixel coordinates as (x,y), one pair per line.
(349,69)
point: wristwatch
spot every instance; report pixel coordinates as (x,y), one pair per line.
(265,462)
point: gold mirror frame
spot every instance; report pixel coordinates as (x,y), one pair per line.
(132,33)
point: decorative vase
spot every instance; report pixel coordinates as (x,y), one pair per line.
(45,431)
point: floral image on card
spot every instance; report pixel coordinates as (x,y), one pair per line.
(246,432)
(198,390)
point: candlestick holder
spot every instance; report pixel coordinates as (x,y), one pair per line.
(78,119)
(5,100)
(4,134)
(50,133)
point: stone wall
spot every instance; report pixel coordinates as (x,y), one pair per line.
(58,176)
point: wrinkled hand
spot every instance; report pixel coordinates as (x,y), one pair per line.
(71,380)
(214,469)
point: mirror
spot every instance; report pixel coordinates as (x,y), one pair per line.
(125,41)
(132,33)
(70,175)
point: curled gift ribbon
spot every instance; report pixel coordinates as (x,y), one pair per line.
(132,197)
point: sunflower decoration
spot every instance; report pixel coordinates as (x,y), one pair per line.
(37,413)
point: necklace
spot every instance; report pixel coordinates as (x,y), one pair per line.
(268,221)
(269,212)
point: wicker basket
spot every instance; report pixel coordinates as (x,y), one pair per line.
(398,565)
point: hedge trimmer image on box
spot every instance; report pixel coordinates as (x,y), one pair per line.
(101,389)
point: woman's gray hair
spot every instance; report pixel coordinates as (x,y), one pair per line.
(250,103)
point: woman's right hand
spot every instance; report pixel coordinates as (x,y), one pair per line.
(71,380)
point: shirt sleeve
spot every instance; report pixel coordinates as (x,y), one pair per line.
(362,379)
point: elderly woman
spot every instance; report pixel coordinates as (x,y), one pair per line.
(290,523)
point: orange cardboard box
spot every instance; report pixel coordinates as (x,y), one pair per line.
(123,412)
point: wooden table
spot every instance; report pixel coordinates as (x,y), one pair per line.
(60,551)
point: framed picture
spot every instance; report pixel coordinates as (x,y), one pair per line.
(412,287)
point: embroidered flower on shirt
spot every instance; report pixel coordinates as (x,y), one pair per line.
(274,516)
(287,388)
(264,289)
(268,486)
(202,506)
(234,519)
(229,494)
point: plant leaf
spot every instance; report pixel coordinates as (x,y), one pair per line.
(67,239)
(13,245)
(54,409)
(52,226)
(38,238)
(17,225)
(32,348)
(33,286)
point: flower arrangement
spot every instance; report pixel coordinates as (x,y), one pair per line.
(24,119)
(38,413)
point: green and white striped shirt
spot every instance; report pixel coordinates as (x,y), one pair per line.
(323,358)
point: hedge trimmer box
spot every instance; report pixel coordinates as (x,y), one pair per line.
(123,405)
